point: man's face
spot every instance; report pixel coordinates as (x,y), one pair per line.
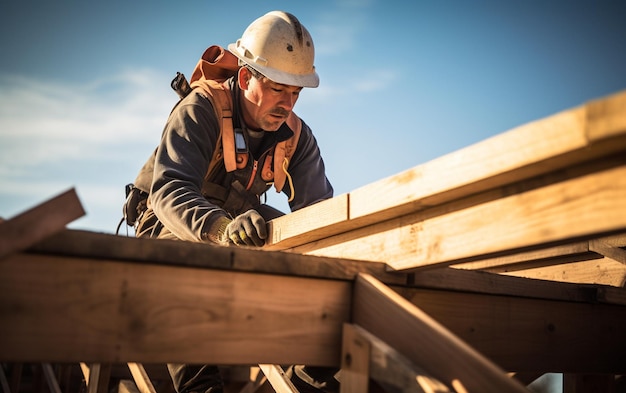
(266,104)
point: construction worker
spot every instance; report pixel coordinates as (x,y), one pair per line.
(187,201)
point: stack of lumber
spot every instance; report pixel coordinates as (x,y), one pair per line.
(537,192)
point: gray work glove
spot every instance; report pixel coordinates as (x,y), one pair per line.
(247,229)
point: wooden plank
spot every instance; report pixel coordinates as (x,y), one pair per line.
(553,143)
(565,253)
(618,240)
(140,376)
(84,368)
(127,386)
(606,117)
(61,309)
(452,279)
(355,362)
(605,249)
(203,255)
(530,335)
(33,225)
(99,375)
(603,271)
(277,378)
(612,295)
(571,137)
(393,319)
(309,223)
(67,310)
(582,204)
(385,365)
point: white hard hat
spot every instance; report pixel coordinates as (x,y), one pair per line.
(279,47)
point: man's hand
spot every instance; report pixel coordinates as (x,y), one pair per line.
(246,229)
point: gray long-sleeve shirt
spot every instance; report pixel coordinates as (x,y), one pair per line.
(175,173)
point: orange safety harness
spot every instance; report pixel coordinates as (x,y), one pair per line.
(213,69)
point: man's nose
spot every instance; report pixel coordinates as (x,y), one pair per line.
(288,101)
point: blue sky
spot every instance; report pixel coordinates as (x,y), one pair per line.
(84,86)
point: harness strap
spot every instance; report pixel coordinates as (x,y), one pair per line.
(284,151)
(222,103)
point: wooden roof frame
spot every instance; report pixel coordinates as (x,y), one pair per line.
(367,267)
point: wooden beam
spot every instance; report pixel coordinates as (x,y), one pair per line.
(364,356)
(90,245)
(531,335)
(451,279)
(596,261)
(140,376)
(277,378)
(356,354)
(562,140)
(71,309)
(61,309)
(99,376)
(323,219)
(612,295)
(596,129)
(582,204)
(603,271)
(561,254)
(605,249)
(127,386)
(425,342)
(33,225)
(84,368)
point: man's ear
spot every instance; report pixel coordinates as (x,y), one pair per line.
(243,78)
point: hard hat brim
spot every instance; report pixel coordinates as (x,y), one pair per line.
(285,78)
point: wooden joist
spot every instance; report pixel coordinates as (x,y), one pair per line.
(74,308)
(595,261)
(550,182)
(140,376)
(92,245)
